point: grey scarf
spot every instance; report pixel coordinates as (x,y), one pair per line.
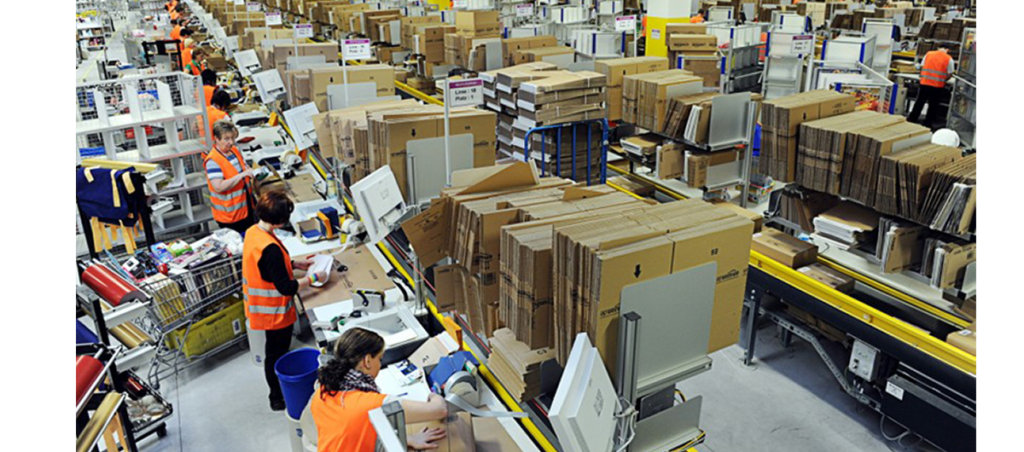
(358,381)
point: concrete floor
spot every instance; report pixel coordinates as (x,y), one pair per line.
(787,400)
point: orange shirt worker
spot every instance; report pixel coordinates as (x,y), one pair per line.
(347,393)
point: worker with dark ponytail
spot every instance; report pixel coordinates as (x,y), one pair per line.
(347,392)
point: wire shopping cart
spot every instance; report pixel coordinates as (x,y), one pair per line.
(179,300)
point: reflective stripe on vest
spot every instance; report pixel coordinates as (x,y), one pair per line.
(265,306)
(230,206)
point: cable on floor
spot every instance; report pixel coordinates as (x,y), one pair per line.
(881,428)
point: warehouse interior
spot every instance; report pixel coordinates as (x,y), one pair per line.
(536,225)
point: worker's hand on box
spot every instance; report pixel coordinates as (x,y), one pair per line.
(302,265)
(424,440)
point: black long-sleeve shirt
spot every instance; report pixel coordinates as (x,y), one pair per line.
(272,268)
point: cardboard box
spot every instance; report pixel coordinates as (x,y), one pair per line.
(458,427)
(512,48)
(618,68)
(686,29)
(757,218)
(380,74)
(828,277)
(784,248)
(965,340)
(692,43)
(669,162)
(472,23)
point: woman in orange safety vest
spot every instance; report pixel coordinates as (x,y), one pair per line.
(698,18)
(347,392)
(228,178)
(268,284)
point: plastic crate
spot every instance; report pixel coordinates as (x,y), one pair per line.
(210,332)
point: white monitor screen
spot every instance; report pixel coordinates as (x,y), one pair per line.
(379,202)
(583,410)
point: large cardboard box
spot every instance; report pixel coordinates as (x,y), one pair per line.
(618,68)
(380,74)
(458,427)
(784,248)
(472,23)
(512,48)
(692,43)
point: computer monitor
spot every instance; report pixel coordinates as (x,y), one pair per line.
(269,85)
(247,62)
(379,203)
(300,123)
(583,410)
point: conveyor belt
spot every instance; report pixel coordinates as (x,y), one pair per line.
(891,325)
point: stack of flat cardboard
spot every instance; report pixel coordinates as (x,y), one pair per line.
(427,39)
(823,144)
(780,124)
(846,224)
(904,177)
(390,131)
(596,258)
(677,116)
(950,201)
(341,15)
(342,133)
(535,94)
(382,75)
(472,29)
(646,96)
(525,288)
(699,54)
(864,150)
(512,48)
(517,365)
(616,69)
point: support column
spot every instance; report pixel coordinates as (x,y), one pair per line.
(660,13)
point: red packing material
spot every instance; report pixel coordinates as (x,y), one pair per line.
(87,370)
(110,286)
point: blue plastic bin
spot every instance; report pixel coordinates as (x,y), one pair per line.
(296,371)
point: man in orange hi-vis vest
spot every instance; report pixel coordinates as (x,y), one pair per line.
(936,69)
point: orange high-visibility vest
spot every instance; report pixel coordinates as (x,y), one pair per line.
(232,205)
(265,307)
(176,32)
(208,93)
(186,58)
(698,19)
(214,114)
(933,69)
(343,420)
(175,15)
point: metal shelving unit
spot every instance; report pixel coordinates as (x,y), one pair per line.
(156,118)
(963,102)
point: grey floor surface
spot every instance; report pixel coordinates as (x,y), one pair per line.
(786,401)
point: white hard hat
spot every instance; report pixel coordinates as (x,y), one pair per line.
(946,137)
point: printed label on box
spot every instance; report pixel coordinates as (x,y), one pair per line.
(466,92)
(628,23)
(655,33)
(524,10)
(273,18)
(252,7)
(357,49)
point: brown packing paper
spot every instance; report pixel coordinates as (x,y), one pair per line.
(364,272)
